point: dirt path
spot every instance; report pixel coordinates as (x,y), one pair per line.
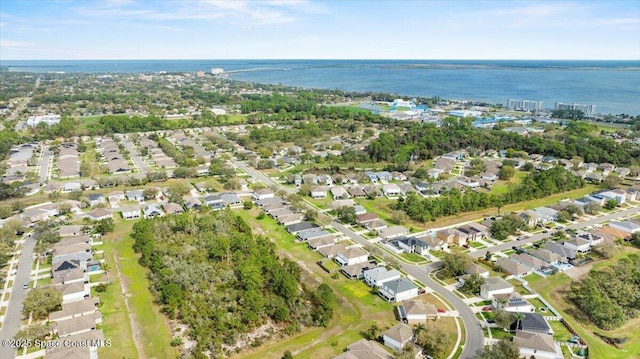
(134,327)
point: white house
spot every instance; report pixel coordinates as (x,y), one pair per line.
(130,213)
(398,290)
(264,193)
(538,345)
(511,302)
(391,189)
(415,311)
(493,286)
(376,276)
(318,192)
(73,291)
(578,244)
(99,214)
(351,255)
(397,336)
(626,226)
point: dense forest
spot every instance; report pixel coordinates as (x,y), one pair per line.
(535,185)
(610,296)
(210,272)
(428,141)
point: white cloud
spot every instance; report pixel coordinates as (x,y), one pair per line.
(14,44)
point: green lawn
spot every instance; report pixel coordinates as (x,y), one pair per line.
(560,331)
(412,257)
(477,245)
(497,333)
(153,329)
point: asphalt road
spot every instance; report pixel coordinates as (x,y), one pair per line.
(474,337)
(142,166)
(13,316)
(536,237)
(44,165)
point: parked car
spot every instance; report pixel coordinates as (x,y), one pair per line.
(25,286)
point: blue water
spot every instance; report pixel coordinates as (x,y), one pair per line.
(613,86)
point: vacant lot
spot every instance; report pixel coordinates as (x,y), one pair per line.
(555,289)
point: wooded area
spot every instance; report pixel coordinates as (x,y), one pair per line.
(209,271)
(611,296)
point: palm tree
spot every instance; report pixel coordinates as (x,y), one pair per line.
(518,317)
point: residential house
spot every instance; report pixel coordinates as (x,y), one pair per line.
(99,214)
(356,271)
(332,251)
(376,276)
(545,255)
(231,199)
(72,292)
(630,227)
(135,195)
(375,225)
(511,302)
(318,192)
(351,255)
(290,219)
(299,227)
(215,202)
(71,230)
(357,192)
(321,242)
(341,203)
(264,193)
(540,346)
(413,311)
(398,290)
(339,193)
(371,176)
(412,245)
(312,233)
(69,276)
(372,191)
(96,199)
(75,309)
(514,268)
(77,325)
(398,336)
(578,245)
(566,255)
(531,322)
(530,217)
(528,261)
(152,210)
(546,214)
(390,190)
(130,212)
(392,232)
(193,203)
(493,286)
(474,268)
(40,212)
(367,217)
(172,208)
(365,349)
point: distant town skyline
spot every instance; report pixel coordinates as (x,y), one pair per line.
(301,29)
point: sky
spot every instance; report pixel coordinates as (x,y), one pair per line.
(307,29)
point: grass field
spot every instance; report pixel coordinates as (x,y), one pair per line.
(152,328)
(555,288)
